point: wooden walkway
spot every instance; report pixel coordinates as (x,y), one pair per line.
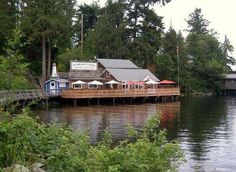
(115,93)
(17,95)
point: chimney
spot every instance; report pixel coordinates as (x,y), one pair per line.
(54,71)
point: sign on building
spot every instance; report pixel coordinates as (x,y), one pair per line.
(76,65)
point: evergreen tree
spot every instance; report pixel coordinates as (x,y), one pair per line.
(107,40)
(90,16)
(227,50)
(204,49)
(8,21)
(48,22)
(197,24)
(144,32)
(13,73)
(172,61)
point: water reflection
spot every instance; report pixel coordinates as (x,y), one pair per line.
(205,126)
(95,119)
(205,132)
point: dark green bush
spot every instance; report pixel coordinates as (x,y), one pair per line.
(24,141)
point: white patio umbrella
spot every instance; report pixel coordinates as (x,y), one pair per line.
(95,82)
(112,82)
(151,82)
(78,82)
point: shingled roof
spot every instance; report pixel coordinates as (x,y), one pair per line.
(131,74)
(117,64)
(230,76)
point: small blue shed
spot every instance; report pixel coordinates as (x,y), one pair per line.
(55,85)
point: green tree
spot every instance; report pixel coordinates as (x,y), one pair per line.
(196,23)
(144,29)
(172,57)
(49,24)
(90,16)
(13,66)
(204,49)
(8,20)
(227,50)
(167,59)
(107,40)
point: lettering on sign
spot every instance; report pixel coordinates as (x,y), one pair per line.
(83,66)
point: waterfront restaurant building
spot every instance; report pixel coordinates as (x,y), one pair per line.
(111,78)
(119,72)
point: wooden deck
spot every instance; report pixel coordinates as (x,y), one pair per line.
(115,93)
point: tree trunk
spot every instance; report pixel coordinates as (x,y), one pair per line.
(43,58)
(49,59)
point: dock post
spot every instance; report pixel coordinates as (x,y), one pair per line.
(176,98)
(98,101)
(88,101)
(46,103)
(144,100)
(75,102)
(163,99)
(114,100)
(155,99)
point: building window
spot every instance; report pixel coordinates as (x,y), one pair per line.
(63,84)
(52,84)
(100,70)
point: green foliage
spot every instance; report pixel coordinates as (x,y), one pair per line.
(210,59)
(63,59)
(8,20)
(197,23)
(107,40)
(13,66)
(124,29)
(227,59)
(90,17)
(23,140)
(144,30)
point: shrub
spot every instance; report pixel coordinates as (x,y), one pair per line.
(24,141)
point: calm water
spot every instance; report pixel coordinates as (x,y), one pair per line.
(205,126)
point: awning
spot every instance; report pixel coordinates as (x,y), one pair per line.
(166,82)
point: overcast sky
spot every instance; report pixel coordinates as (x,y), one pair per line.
(221,14)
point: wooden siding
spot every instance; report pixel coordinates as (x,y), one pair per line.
(229,84)
(99,93)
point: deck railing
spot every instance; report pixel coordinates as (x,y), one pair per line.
(101,93)
(16,95)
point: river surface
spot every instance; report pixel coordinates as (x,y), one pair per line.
(205,126)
